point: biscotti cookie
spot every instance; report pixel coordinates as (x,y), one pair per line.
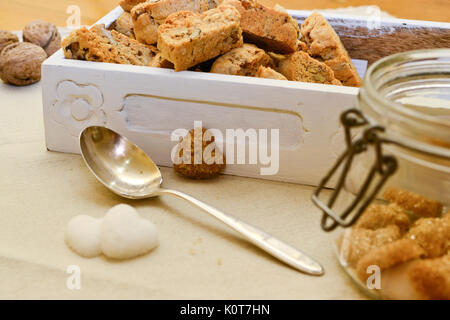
(124,25)
(325,44)
(414,202)
(269,73)
(431,277)
(271,29)
(127,5)
(148,16)
(188,38)
(299,66)
(243,61)
(101,45)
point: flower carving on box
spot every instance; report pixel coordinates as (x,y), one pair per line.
(78,106)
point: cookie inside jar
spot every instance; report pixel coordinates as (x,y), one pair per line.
(399,247)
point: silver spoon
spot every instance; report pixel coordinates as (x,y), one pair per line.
(127,171)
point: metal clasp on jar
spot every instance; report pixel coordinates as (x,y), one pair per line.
(383,167)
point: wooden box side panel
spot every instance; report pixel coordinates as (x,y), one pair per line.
(147,105)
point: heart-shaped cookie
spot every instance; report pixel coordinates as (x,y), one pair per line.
(83,236)
(124,234)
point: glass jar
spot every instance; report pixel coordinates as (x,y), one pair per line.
(397,163)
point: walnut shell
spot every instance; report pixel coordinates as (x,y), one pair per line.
(7,38)
(184,162)
(43,34)
(20,63)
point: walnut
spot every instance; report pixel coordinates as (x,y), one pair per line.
(201,148)
(20,63)
(43,34)
(7,38)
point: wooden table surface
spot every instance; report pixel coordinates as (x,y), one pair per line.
(15,14)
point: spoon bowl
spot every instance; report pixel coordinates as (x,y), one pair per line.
(119,164)
(127,171)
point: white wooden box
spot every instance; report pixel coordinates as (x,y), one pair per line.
(148,104)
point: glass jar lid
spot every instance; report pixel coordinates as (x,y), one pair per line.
(409,95)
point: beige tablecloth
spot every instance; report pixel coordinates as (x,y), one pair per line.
(198,258)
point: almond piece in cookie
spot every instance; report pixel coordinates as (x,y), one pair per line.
(379,216)
(299,66)
(187,38)
(127,5)
(159,62)
(325,44)
(432,234)
(414,202)
(101,45)
(302,46)
(389,256)
(431,278)
(269,73)
(124,25)
(356,242)
(198,157)
(148,16)
(243,61)
(270,29)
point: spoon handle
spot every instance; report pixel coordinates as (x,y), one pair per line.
(277,248)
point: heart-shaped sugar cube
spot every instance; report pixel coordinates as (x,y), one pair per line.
(124,234)
(83,236)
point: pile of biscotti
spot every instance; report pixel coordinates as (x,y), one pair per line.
(408,239)
(236,37)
